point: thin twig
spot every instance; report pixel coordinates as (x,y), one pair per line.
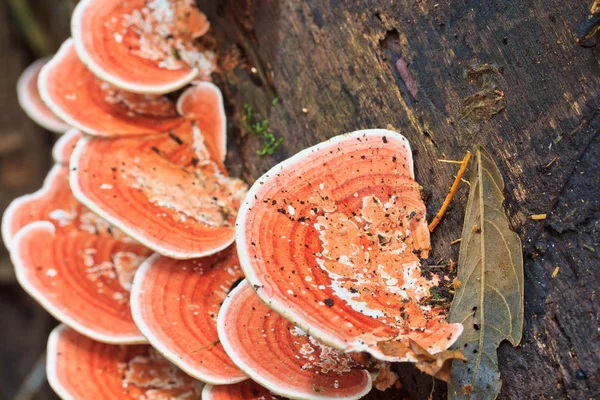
(213,343)
(450,196)
(432,389)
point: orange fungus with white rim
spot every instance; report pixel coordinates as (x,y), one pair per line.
(162,190)
(203,104)
(54,202)
(282,357)
(175,304)
(142,46)
(64,146)
(30,101)
(83,279)
(80,368)
(333,238)
(247,390)
(73,263)
(97,108)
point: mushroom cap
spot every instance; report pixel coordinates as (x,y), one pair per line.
(81,368)
(203,103)
(54,202)
(161,190)
(247,390)
(332,239)
(117,51)
(64,146)
(95,107)
(31,102)
(175,305)
(282,358)
(81,278)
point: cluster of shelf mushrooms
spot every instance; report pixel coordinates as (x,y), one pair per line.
(130,242)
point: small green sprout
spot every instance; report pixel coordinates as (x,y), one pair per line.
(261,130)
(175,53)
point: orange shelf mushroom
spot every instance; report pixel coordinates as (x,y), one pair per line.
(281,357)
(74,264)
(81,278)
(95,107)
(203,103)
(31,102)
(247,390)
(142,46)
(162,190)
(64,146)
(332,239)
(80,368)
(54,202)
(175,304)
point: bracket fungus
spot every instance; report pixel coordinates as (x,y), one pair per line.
(142,46)
(247,390)
(95,107)
(81,278)
(80,368)
(203,103)
(175,304)
(73,263)
(281,357)
(64,146)
(54,202)
(162,190)
(31,102)
(332,240)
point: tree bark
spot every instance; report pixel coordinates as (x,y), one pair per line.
(447,75)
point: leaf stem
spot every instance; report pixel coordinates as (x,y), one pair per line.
(438,217)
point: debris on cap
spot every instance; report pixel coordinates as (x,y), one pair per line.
(175,304)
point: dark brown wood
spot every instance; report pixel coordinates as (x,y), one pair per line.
(508,75)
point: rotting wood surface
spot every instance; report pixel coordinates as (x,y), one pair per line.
(508,75)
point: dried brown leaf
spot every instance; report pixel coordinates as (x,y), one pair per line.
(489,301)
(437,365)
(385,378)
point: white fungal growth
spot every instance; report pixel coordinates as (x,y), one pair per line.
(368,256)
(63,217)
